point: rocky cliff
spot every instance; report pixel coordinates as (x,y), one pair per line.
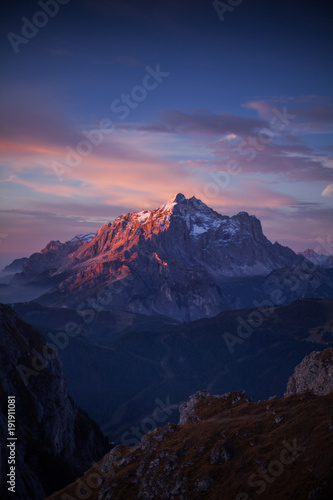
(225,447)
(177,260)
(56,441)
(314,373)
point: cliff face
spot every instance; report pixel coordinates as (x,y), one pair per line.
(225,447)
(314,374)
(56,441)
(173,260)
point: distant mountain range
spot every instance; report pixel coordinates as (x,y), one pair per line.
(152,308)
(182,260)
(121,363)
(325,261)
(131,372)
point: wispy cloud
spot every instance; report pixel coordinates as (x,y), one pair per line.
(328,191)
(316,117)
(141,165)
(204,123)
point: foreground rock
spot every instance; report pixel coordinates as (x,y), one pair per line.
(225,448)
(314,373)
(55,440)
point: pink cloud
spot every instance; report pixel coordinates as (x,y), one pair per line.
(316,117)
(328,190)
(142,167)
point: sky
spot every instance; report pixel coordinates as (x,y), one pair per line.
(110,107)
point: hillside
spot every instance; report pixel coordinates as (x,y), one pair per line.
(226,447)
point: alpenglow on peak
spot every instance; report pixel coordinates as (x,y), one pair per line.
(172,260)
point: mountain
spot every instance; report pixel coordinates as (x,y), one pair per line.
(8,272)
(182,260)
(314,373)
(27,278)
(325,261)
(45,263)
(120,364)
(225,447)
(55,440)
(15,267)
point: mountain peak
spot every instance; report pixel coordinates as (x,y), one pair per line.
(161,250)
(169,205)
(178,197)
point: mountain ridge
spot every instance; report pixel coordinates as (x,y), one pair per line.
(173,260)
(325,261)
(226,446)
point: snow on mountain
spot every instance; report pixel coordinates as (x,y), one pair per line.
(169,260)
(50,258)
(82,238)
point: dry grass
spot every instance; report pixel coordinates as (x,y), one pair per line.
(253,434)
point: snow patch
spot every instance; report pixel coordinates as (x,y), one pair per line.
(196,230)
(87,237)
(143,215)
(168,206)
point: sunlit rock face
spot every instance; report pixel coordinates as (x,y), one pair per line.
(172,260)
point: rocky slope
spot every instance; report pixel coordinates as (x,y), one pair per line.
(44,264)
(56,441)
(314,373)
(183,260)
(225,447)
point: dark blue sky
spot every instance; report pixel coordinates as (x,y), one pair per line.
(226,81)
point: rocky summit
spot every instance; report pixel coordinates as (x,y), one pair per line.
(177,260)
(314,373)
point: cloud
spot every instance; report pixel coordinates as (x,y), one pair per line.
(328,190)
(312,119)
(203,122)
(301,98)
(141,165)
(11,178)
(22,126)
(309,226)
